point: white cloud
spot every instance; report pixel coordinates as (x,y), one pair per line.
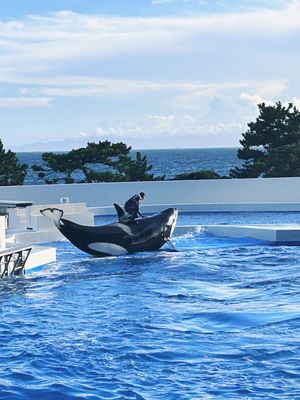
(185,95)
(272,89)
(161,1)
(37,51)
(40,52)
(193,75)
(254,99)
(296,102)
(154,126)
(17,102)
(44,44)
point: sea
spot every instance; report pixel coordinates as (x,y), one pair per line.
(168,162)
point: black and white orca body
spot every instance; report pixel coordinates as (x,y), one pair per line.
(119,238)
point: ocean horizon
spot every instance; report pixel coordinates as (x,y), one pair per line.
(168,162)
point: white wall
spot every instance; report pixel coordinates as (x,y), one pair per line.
(2,232)
(223,191)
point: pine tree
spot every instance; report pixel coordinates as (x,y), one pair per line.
(271,145)
(11,171)
(97,162)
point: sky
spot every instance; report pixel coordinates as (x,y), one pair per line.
(150,73)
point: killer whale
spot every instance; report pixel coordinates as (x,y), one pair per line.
(119,238)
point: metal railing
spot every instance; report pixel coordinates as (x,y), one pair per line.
(13,260)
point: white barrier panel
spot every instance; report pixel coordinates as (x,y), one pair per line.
(30,218)
(221,191)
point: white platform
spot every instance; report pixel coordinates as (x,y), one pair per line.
(15,255)
(284,233)
(39,257)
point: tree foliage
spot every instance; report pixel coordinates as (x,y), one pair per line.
(11,171)
(138,169)
(97,162)
(271,145)
(202,174)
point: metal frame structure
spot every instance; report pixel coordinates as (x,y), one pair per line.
(13,260)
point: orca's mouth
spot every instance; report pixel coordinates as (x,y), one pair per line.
(171,224)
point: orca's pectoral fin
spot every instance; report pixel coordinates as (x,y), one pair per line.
(169,250)
(171,246)
(121,213)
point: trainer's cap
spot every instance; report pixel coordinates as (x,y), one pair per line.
(142,194)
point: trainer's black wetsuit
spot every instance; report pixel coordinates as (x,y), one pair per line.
(132,206)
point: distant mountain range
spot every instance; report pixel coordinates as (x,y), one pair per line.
(141,142)
(64,145)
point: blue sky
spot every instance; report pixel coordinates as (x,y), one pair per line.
(154,74)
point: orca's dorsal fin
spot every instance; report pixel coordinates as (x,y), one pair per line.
(121,213)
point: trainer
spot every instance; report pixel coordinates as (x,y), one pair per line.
(132,206)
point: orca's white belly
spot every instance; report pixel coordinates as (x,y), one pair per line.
(108,248)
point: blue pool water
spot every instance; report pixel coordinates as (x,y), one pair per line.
(209,218)
(219,319)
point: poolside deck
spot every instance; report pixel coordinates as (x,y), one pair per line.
(279,234)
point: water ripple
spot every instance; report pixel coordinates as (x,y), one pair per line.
(220,319)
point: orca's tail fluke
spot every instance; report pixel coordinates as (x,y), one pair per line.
(54,214)
(121,213)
